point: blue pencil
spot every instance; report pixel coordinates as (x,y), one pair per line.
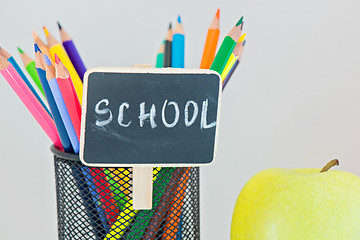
(65,141)
(50,75)
(95,196)
(23,76)
(178,46)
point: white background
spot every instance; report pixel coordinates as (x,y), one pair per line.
(294,101)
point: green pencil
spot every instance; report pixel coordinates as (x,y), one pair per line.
(227,47)
(119,196)
(29,65)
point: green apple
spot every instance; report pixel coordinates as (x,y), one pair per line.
(299,204)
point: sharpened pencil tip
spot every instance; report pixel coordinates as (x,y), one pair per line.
(170,26)
(59,25)
(46,31)
(37,49)
(240,21)
(244,42)
(47,60)
(218,13)
(20,51)
(57,59)
(179,19)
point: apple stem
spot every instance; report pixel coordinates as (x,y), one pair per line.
(330,165)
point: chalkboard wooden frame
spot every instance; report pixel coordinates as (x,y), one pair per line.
(144,71)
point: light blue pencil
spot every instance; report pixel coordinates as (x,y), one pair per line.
(178,46)
(50,75)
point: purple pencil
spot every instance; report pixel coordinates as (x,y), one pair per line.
(227,78)
(72,52)
(232,70)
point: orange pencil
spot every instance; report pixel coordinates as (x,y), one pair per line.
(164,205)
(173,220)
(211,42)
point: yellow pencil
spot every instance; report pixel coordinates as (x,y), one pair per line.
(56,48)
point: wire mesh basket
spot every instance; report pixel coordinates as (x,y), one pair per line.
(96,203)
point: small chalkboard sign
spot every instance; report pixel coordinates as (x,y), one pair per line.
(149,117)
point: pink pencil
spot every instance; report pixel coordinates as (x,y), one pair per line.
(24,93)
(69,94)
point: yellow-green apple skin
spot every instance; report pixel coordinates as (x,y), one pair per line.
(299,204)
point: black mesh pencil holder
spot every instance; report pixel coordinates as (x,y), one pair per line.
(96,203)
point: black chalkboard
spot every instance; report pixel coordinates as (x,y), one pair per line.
(157,117)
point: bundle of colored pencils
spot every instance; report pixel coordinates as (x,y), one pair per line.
(225,61)
(58,72)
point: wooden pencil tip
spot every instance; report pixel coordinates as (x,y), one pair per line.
(244,42)
(57,59)
(35,36)
(20,51)
(179,19)
(240,21)
(46,31)
(218,13)
(169,26)
(37,49)
(59,25)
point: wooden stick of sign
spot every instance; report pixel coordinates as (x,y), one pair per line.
(142,187)
(142,183)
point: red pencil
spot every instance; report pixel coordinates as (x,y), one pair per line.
(69,94)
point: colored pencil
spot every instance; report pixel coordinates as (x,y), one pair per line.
(123,177)
(106,198)
(24,93)
(164,206)
(84,183)
(43,47)
(56,48)
(118,195)
(39,63)
(167,47)
(171,227)
(233,57)
(69,94)
(50,76)
(228,77)
(126,216)
(178,46)
(29,65)
(226,48)
(72,52)
(13,62)
(211,42)
(160,56)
